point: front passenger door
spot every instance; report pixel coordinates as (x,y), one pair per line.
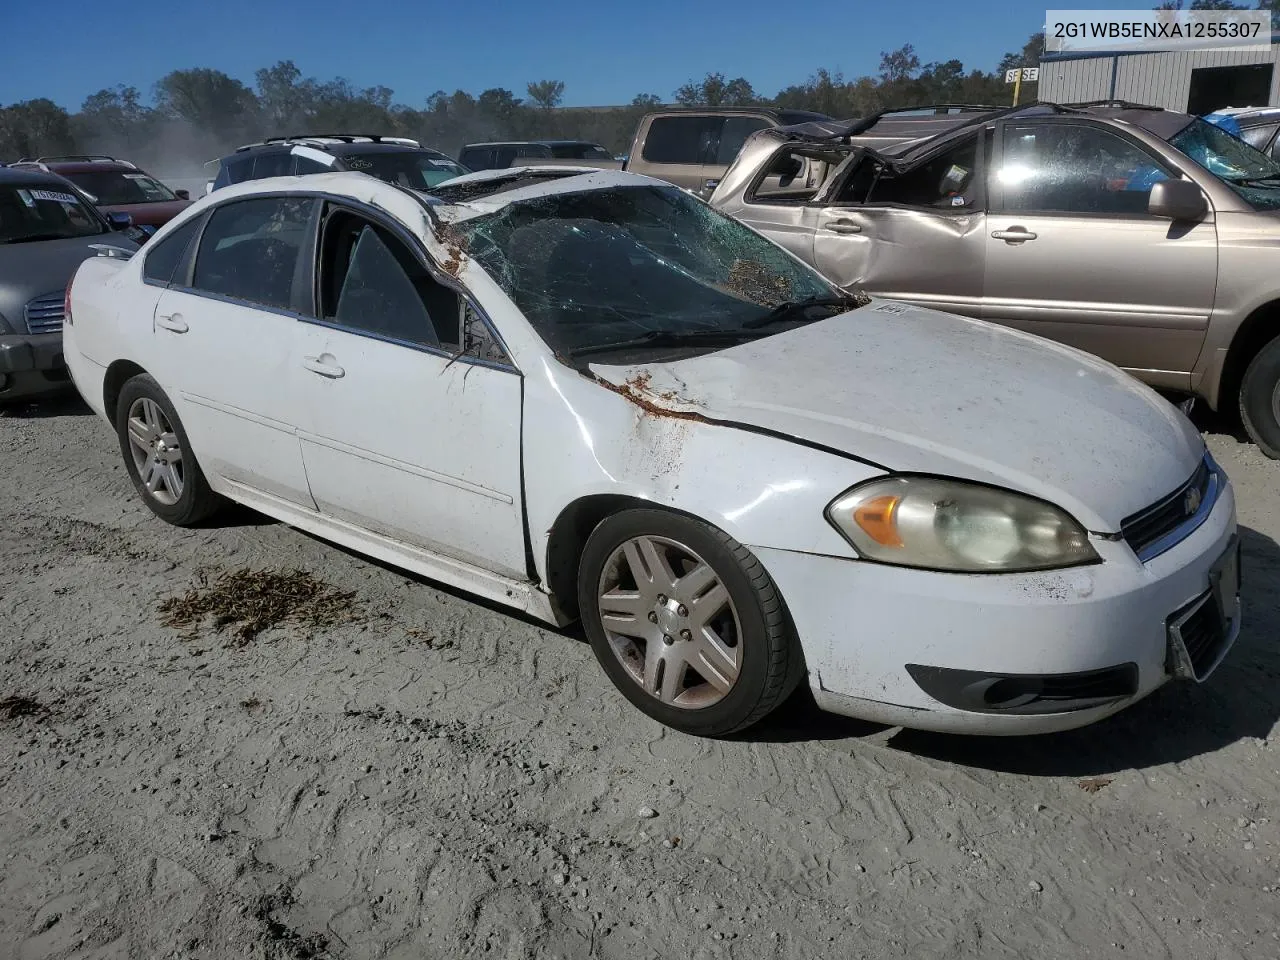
(410,431)
(1073,255)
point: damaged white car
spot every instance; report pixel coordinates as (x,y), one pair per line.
(590,394)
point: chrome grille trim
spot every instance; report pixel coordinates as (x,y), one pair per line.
(44,313)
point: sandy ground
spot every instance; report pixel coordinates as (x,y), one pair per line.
(446,780)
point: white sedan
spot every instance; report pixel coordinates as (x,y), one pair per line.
(588,394)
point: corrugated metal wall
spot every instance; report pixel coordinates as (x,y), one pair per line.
(1160,79)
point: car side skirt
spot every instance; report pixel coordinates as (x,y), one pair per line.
(519,594)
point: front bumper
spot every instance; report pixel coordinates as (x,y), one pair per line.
(875,637)
(31,364)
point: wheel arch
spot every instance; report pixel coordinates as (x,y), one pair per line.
(118,374)
(1257,330)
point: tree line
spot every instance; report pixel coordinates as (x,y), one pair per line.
(198,114)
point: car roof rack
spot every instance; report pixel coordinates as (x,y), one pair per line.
(80,158)
(1116,104)
(323,138)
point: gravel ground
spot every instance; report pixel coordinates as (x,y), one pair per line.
(443,779)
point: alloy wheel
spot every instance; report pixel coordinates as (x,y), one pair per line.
(156,450)
(670,621)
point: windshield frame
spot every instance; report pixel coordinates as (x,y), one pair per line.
(709,297)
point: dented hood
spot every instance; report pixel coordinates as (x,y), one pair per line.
(915,390)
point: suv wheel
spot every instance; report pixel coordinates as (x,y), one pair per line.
(1260,399)
(686,622)
(158,455)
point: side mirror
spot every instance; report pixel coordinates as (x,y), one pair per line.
(1177,200)
(182,194)
(120,221)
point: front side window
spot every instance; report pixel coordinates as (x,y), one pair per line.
(1076,168)
(687,140)
(580,151)
(250,250)
(117,187)
(371,282)
(619,268)
(794,175)
(44,211)
(234,171)
(164,255)
(1259,136)
(1252,174)
(278,163)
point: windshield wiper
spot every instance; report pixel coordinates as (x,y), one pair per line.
(669,338)
(1246,181)
(792,309)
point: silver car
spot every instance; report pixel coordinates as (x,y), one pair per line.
(1145,236)
(47,229)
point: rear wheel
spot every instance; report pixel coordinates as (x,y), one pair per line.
(686,622)
(158,455)
(1260,399)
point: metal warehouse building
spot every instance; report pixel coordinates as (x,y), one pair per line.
(1196,81)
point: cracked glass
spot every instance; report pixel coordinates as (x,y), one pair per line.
(613,266)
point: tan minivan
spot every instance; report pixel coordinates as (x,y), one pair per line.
(693,147)
(1145,236)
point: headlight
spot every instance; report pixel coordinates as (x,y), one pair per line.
(957,526)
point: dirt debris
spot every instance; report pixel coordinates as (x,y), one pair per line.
(253,601)
(1094,784)
(13,707)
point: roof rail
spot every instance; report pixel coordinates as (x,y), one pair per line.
(1118,104)
(84,158)
(341,137)
(941,109)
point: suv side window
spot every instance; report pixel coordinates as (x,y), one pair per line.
(234,171)
(476,158)
(162,258)
(690,140)
(276,163)
(734,134)
(303,165)
(1259,136)
(371,282)
(250,250)
(795,175)
(539,150)
(1075,168)
(948,181)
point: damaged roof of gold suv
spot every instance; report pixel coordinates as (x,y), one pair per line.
(1145,236)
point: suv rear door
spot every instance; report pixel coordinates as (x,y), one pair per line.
(692,150)
(914,234)
(1073,255)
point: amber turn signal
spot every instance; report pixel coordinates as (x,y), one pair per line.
(877,518)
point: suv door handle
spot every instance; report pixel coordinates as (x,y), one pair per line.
(330,370)
(1013,235)
(173,322)
(842,226)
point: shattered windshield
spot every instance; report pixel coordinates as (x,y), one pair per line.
(1247,170)
(626,267)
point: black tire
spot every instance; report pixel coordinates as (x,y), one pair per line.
(770,663)
(197,502)
(1259,399)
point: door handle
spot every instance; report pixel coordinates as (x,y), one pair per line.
(1013,235)
(172,322)
(842,226)
(330,370)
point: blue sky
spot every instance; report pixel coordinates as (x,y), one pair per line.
(605,51)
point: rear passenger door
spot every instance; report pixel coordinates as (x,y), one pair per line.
(916,234)
(413,411)
(225,335)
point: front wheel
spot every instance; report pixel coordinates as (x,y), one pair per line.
(158,455)
(1260,399)
(686,622)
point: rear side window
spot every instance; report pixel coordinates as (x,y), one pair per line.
(533,150)
(682,139)
(250,250)
(234,171)
(164,256)
(304,165)
(476,158)
(734,134)
(372,282)
(275,164)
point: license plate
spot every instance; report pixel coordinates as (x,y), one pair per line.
(1224,580)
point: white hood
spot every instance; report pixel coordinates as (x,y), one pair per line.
(915,390)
